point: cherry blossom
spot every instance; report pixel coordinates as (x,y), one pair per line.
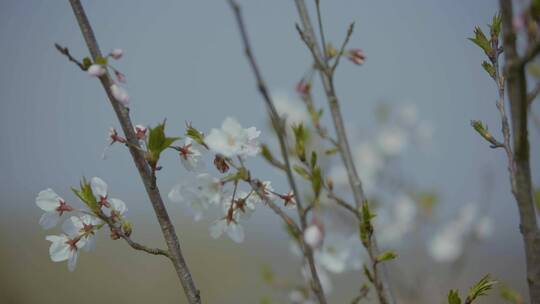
(232,140)
(96,70)
(99,188)
(120,94)
(84,227)
(53,205)
(140,131)
(198,193)
(190,156)
(65,247)
(113,137)
(235,209)
(392,140)
(116,54)
(314,235)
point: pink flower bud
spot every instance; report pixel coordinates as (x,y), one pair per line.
(303,88)
(357,56)
(120,94)
(116,54)
(119,76)
(96,70)
(140,132)
(314,235)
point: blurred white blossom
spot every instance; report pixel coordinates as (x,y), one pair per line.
(233,140)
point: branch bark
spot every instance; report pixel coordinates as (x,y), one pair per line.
(521,178)
(326,73)
(122,113)
(279,127)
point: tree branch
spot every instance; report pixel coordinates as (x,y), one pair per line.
(521,178)
(122,113)
(279,127)
(308,35)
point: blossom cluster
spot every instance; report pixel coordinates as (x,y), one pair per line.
(101,67)
(229,146)
(79,229)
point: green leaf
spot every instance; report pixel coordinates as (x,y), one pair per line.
(101,61)
(453,297)
(267,274)
(86,62)
(86,195)
(511,295)
(301,135)
(480,288)
(489,68)
(386,256)
(302,172)
(316,181)
(481,41)
(495,26)
(158,142)
(313,159)
(366,228)
(195,134)
(331,151)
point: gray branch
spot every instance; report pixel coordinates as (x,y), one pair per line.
(122,113)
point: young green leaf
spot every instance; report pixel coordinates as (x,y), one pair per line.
(453,297)
(386,256)
(480,288)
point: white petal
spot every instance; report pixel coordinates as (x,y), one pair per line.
(99,187)
(96,70)
(120,94)
(48,200)
(217,228)
(72,226)
(72,262)
(59,250)
(231,126)
(90,243)
(235,232)
(49,220)
(175,194)
(118,205)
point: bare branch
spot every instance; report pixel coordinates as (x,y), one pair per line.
(343,46)
(122,113)
(65,51)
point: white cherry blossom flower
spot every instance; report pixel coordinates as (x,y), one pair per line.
(99,189)
(54,207)
(314,235)
(140,131)
(396,220)
(292,109)
(448,244)
(235,209)
(84,227)
(96,70)
(64,248)
(234,230)
(392,141)
(339,253)
(120,94)
(189,156)
(232,140)
(199,193)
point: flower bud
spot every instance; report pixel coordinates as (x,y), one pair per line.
(120,94)
(140,132)
(314,235)
(96,70)
(357,56)
(221,164)
(120,76)
(116,54)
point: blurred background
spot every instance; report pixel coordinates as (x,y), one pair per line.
(183,61)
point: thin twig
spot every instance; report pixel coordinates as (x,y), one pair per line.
(308,36)
(321,30)
(65,51)
(122,113)
(343,46)
(279,127)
